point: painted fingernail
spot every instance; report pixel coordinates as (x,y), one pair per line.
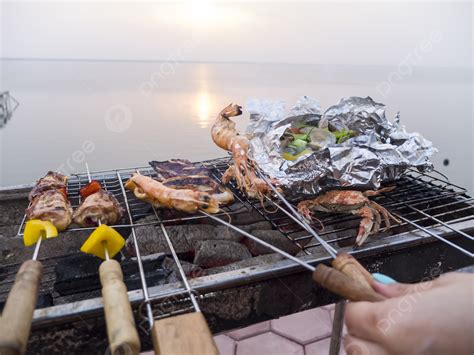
(383,279)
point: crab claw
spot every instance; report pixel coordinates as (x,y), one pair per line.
(306,213)
(366,224)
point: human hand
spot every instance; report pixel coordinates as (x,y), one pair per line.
(434,317)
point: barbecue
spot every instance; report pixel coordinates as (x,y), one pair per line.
(436,226)
(105,242)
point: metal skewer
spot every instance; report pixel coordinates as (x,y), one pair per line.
(17,314)
(186,333)
(121,330)
(104,243)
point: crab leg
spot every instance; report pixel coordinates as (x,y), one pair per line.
(386,215)
(366,224)
(377,220)
(370,193)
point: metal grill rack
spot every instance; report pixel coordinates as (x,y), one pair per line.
(420,200)
(428,204)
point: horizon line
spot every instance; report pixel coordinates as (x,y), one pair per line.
(46,59)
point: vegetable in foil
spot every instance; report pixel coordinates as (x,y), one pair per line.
(366,149)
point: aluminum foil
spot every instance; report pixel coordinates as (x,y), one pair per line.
(381,151)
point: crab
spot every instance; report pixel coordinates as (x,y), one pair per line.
(355,202)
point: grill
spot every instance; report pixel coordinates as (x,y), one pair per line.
(436,234)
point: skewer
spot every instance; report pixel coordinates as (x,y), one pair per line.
(121,330)
(347,278)
(17,315)
(343,262)
(185,333)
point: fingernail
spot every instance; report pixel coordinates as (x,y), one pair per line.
(383,279)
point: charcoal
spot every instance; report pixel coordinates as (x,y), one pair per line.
(184,238)
(213,253)
(272,237)
(79,273)
(226,233)
(246,218)
(13,249)
(260,226)
(191,270)
(255,261)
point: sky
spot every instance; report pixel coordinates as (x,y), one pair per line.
(317,32)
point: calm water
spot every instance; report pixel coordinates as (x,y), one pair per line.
(123,114)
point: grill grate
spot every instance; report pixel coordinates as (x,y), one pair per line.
(422,200)
(419,199)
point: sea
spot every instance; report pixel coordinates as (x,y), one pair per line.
(119,114)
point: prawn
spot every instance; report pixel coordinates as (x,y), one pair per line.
(225,135)
(154,192)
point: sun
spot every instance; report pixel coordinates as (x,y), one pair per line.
(202,12)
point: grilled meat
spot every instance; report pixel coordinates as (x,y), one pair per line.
(100,206)
(178,167)
(184,175)
(52,181)
(51,205)
(201,183)
(159,195)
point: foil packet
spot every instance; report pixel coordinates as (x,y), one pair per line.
(381,151)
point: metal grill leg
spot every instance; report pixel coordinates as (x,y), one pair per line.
(337,325)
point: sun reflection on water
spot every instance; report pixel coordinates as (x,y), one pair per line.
(204,104)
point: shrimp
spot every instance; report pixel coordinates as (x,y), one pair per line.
(159,195)
(225,135)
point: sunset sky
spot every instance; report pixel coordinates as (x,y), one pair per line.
(355,33)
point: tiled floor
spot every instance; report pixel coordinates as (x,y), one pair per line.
(305,333)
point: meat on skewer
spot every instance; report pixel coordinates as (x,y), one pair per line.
(49,201)
(97,205)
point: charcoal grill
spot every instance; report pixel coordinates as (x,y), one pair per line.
(435,237)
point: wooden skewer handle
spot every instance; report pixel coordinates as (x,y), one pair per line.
(121,330)
(343,285)
(349,266)
(15,322)
(186,334)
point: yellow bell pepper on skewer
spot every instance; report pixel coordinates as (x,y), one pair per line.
(103,233)
(36,229)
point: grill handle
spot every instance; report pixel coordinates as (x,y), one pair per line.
(186,334)
(15,322)
(121,330)
(349,266)
(344,285)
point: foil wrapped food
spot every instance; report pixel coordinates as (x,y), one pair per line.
(381,150)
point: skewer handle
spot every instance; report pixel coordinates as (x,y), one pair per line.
(349,266)
(121,330)
(186,334)
(345,286)
(15,322)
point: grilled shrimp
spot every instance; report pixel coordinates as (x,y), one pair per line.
(159,195)
(225,136)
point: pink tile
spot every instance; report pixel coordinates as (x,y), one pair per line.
(321,347)
(250,331)
(329,307)
(304,327)
(225,344)
(268,343)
